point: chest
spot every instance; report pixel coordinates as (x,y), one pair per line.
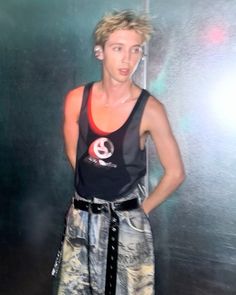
(110,119)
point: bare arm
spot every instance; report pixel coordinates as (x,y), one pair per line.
(156,123)
(70,128)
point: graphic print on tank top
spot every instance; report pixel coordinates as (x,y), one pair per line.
(100,150)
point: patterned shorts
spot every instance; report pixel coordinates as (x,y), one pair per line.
(135,263)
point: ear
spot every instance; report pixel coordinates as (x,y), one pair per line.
(98,52)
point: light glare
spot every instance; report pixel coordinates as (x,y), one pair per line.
(224,101)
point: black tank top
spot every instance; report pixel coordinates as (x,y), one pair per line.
(109,165)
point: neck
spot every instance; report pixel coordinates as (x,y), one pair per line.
(115,93)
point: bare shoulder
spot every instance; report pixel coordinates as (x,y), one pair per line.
(154,105)
(73,101)
(154,109)
(155,120)
(74,96)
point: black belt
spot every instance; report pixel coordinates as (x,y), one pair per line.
(112,250)
(97,208)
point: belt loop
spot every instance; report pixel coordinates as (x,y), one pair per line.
(90,208)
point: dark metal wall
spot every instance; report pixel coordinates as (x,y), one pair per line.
(45,50)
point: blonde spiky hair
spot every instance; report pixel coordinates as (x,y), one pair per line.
(122,20)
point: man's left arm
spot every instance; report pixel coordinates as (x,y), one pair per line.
(156,123)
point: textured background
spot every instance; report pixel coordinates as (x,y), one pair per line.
(45,50)
(192,70)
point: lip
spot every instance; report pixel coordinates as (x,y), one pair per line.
(124,71)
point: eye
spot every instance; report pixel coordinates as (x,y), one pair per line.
(137,50)
(117,48)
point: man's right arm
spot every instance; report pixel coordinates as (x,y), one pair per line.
(72,107)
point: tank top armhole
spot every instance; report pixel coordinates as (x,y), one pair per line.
(86,91)
(81,124)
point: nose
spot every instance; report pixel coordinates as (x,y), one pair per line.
(126,56)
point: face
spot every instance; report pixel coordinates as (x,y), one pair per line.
(121,55)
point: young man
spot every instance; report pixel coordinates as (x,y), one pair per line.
(108,242)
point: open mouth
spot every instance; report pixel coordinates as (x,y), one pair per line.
(124,72)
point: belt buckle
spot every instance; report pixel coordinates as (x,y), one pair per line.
(94,208)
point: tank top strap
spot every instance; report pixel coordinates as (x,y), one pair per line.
(83,121)
(142,100)
(137,111)
(87,88)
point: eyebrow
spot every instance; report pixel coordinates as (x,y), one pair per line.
(112,44)
(136,45)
